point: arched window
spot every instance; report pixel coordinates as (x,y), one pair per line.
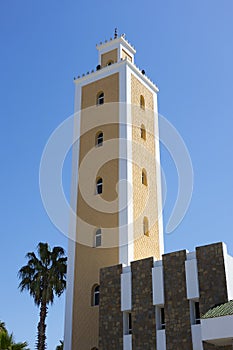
(99,186)
(95,295)
(144,177)
(98,238)
(99,139)
(100,98)
(142,102)
(143,132)
(109,62)
(145,226)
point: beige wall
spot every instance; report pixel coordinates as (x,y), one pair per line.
(85,316)
(110,86)
(144,197)
(89,260)
(109,56)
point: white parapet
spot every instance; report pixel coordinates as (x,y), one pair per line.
(192,284)
(157,283)
(218,330)
(126,289)
(161,339)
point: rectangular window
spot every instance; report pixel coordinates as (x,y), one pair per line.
(127,323)
(197,313)
(160,317)
(130,323)
(98,238)
(98,241)
(194,312)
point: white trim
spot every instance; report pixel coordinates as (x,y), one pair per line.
(228,263)
(158,177)
(127,341)
(114,68)
(158,285)
(72,229)
(129,138)
(192,284)
(99,74)
(69,296)
(161,339)
(196,337)
(126,291)
(126,244)
(123,254)
(104,47)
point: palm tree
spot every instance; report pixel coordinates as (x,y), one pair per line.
(7,340)
(2,327)
(60,346)
(44,277)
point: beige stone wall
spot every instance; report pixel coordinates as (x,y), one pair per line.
(144,197)
(126,55)
(109,85)
(109,56)
(85,316)
(89,260)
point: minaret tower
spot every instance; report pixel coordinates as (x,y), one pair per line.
(116,182)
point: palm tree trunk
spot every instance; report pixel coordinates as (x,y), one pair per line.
(41,337)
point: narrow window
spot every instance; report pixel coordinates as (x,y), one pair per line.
(99,186)
(162,318)
(110,62)
(143,132)
(99,139)
(194,312)
(127,322)
(145,226)
(144,177)
(98,238)
(197,312)
(130,322)
(95,295)
(142,102)
(100,98)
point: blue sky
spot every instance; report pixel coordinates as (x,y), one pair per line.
(186,47)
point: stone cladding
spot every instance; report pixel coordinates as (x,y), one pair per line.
(143,310)
(110,315)
(177,310)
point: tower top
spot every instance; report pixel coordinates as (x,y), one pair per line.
(120,44)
